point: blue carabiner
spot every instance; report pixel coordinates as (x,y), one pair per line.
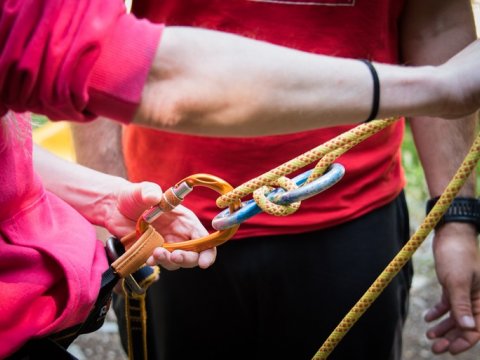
(335,172)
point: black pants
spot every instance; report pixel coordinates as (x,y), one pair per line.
(280,297)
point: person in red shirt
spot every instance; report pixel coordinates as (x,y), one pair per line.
(281,286)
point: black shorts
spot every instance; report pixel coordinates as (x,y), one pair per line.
(280,297)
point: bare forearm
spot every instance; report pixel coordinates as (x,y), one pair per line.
(441,148)
(220,84)
(432,38)
(88,191)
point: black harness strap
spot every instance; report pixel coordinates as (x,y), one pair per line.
(135,286)
(56,344)
(96,318)
(42,349)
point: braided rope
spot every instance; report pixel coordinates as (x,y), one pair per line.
(325,154)
(405,254)
(275,209)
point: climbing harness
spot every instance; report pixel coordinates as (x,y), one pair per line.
(277,195)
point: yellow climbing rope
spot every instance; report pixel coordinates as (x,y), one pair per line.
(405,254)
(326,154)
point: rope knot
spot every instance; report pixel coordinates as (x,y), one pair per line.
(270,207)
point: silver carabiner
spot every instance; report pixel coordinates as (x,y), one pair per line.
(335,172)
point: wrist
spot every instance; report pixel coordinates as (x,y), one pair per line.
(410,91)
(455,239)
(462,210)
(104,199)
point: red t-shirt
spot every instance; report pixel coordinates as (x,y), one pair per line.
(347,28)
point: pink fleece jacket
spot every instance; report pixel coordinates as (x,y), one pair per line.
(50,261)
(67,59)
(73,59)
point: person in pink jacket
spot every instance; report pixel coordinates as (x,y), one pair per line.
(77,60)
(51,262)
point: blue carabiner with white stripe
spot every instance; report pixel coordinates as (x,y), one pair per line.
(335,172)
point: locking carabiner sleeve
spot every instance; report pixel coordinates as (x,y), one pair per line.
(174,196)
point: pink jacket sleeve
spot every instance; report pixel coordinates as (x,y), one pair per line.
(73,59)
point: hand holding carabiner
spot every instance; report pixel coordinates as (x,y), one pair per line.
(173,226)
(173,197)
(181,224)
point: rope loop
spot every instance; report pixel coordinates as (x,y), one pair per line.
(325,153)
(271,208)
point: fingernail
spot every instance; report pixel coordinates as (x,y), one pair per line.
(468,321)
(162,256)
(427,313)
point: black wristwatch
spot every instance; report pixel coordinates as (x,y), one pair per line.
(462,209)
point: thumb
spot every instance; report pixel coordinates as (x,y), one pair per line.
(139,197)
(151,193)
(462,306)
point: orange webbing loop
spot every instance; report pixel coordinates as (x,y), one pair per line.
(138,252)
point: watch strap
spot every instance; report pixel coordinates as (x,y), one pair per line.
(462,209)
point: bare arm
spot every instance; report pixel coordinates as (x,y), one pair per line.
(433,31)
(211,83)
(91,193)
(98,146)
(201,81)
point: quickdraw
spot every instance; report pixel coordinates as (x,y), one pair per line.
(135,284)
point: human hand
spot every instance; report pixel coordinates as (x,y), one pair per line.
(170,223)
(180,224)
(457,263)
